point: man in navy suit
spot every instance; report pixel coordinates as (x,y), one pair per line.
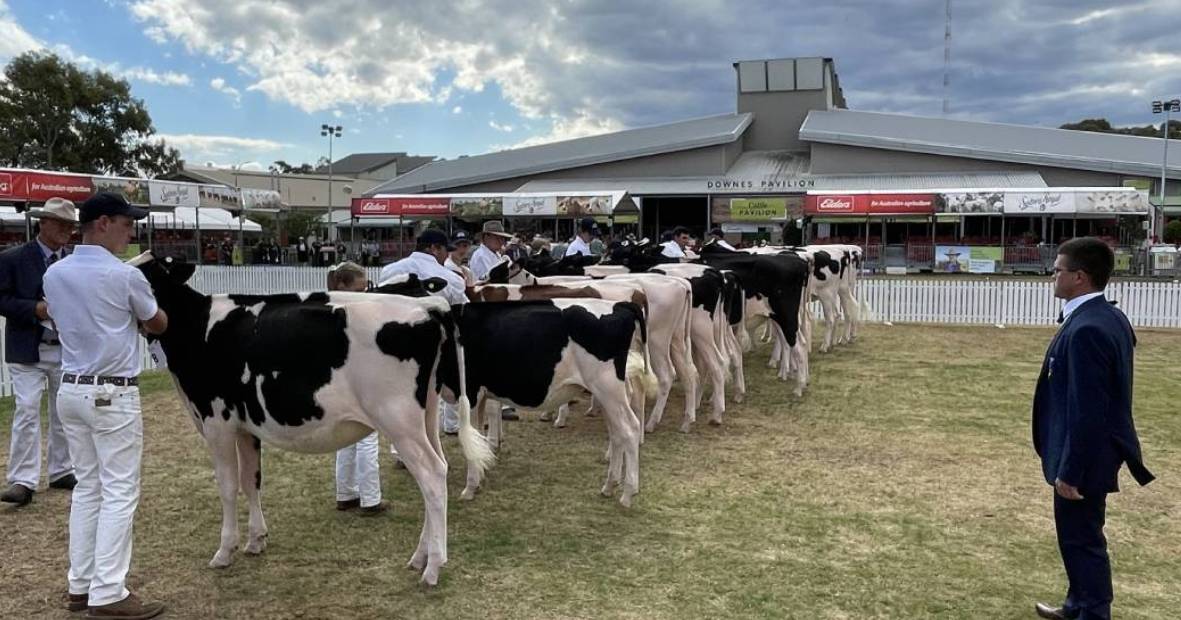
(1082,423)
(34,354)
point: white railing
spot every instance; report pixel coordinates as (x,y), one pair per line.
(997,301)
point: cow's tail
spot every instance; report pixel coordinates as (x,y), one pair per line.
(476,449)
(651,385)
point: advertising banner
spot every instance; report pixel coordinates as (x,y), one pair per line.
(39,187)
(134,190)
(477,207)
(165,194)
(758,209)
(577,206)
(372,206)
(218,196)
(869,204)
(530,206)
(1038,203)
(968,259)
(421,206)
(968,203)
(1111,202)
(261,200)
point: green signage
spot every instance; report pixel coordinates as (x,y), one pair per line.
(758,209)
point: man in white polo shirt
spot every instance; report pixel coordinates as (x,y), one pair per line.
(581,243)
(98,305)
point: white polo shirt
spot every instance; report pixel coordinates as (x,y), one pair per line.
(482,261)
(672,250)
(96,302)
(425,266)
(578,246)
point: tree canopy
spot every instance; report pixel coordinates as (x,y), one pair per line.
(1102,125)
(59,117)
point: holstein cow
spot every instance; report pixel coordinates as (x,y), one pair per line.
(853,311)
(311,372)
(585,288)
(775,287)
(541,354)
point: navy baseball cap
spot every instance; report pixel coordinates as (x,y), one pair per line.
(107,203)
(459,237)
(434,237)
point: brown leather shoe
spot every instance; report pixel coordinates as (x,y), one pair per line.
(130,608)
(348,504)
(372,511)
(17,494)
(77,602)
(1052,613)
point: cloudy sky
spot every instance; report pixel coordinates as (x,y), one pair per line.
(232,81)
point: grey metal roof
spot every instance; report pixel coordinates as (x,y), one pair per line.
(993,141)
(934,180)
(627,144)
(358,163)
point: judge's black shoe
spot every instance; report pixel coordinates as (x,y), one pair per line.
(17,494)
(1053,613)
(65,483)
(510,414)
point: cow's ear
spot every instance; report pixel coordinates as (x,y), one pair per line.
(434,285)
(498,274)
(179,270)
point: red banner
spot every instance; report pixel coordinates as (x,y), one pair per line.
(869,204)
(422,206)
(372,206)
(40,186)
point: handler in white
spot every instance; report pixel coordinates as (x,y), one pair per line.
(581,243)
(676,247)
(358,472)
(488,255)
(97,304)
(456,259)
(719,239)
(430,252)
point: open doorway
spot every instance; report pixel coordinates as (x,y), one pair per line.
(663,213)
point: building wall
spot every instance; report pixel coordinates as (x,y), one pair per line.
(843,159)
(383,173)
(778,117)
(297,190)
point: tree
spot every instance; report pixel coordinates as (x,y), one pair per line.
(283,167)
(1173,233)
(300,223)
(1102,125)
(58,117)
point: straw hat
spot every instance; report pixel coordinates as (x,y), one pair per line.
(495,227)
(56,209)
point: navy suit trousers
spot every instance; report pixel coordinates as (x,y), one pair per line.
(1084,553)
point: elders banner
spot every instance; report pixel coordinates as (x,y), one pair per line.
(870,204)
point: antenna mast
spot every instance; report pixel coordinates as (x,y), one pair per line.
(946,58)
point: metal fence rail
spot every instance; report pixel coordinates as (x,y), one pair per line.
(933,300)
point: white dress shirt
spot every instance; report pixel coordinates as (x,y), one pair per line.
(464,272)
(578,246)
(482,261)
(425,266)
(723,244)
(672,250)
(1073,304)
(96,302)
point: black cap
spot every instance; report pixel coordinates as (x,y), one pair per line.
(459,237)
(432,236)
(107,203)
(717,232)
(587,224)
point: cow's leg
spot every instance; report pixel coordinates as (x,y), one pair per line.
(682,361)
(430,472)
(563,414)
(250,479)
(735,350)
(852,315)
(711,362)
(776,351)
(223,450)
(829,306)
(624,431)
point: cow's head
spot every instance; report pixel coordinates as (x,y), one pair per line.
(409,285)
(164,274)
(508,272)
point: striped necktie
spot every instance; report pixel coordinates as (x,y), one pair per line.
(53,256)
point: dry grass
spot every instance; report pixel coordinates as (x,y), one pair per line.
(902,486)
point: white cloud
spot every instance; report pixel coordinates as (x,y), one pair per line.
(580,126)
(150,76)
(337,113)
(498,127)
(196,148)
(220,86)
(457,109)
(14,40)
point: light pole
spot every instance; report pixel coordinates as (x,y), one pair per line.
(331,131)
(1168,107)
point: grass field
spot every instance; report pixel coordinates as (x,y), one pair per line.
(902,485)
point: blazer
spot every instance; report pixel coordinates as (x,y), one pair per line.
(1082,405)
(21,270)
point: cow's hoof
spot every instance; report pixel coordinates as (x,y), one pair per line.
(799,392)
(256,546)
(625,500)
(222,559)
(430,576)
(650,428)
(715,422)
(739,398)
(468,495)
(608,489)
(545,416)
(686,427)
(417,562)
(560,424)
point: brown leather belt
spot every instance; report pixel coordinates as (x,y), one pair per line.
(93,380)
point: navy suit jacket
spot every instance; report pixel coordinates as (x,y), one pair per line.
(21,271)
(1082,407)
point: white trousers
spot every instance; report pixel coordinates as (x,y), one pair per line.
(24,454)
(450,418)
(106,434)
(357,472)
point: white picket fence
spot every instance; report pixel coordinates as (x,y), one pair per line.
(997,301)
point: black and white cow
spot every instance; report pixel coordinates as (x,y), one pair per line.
(543,353)
(311,372)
